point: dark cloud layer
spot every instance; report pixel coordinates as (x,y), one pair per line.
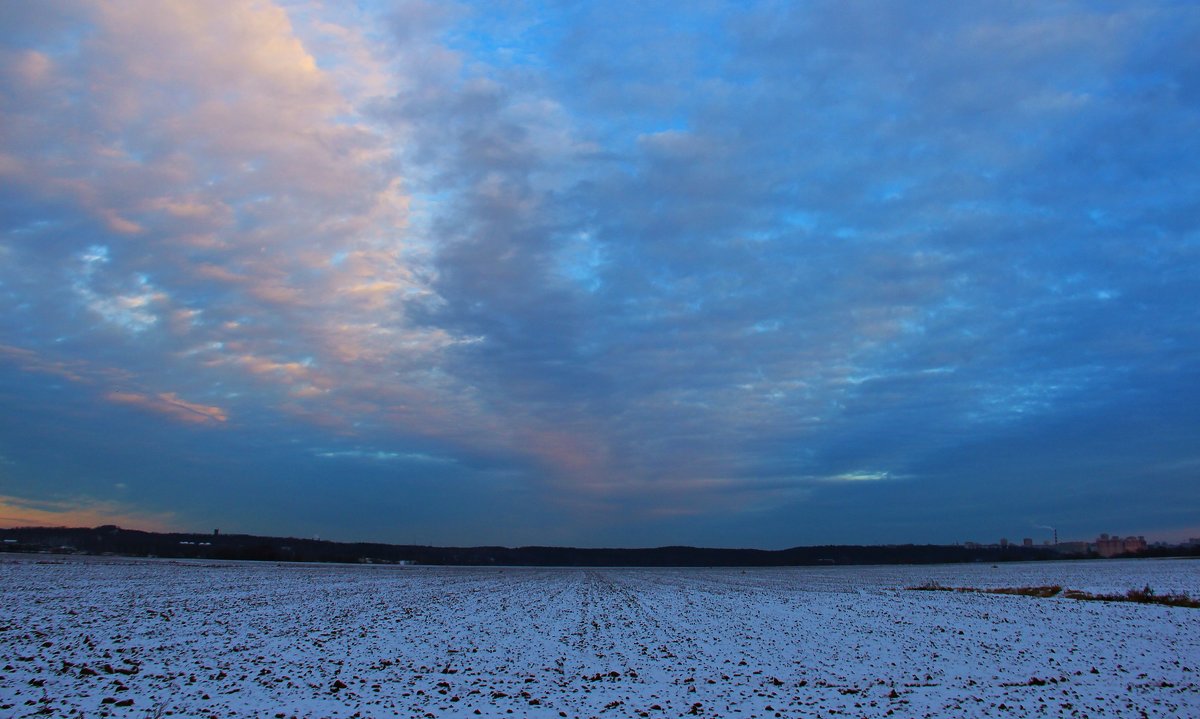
(605,274)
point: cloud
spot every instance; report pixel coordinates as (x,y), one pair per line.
(875,191)
(167,403)
(767,256)
(30,361)
(241,217)
(380,456)
(100,379)
(860,477)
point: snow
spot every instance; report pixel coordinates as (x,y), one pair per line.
(143,638)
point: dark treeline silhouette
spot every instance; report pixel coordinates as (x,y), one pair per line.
(127,542)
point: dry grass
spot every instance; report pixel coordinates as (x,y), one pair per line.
(1145,595)
(1043,592)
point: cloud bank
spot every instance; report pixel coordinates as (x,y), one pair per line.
(608,274)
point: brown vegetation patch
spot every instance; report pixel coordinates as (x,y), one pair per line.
(1145,595)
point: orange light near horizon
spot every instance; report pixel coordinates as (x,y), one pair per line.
(16,512)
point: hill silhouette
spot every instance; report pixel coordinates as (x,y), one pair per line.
(111,539)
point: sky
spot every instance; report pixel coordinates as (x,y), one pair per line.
(745,274)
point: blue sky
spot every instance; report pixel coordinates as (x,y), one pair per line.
(602,274)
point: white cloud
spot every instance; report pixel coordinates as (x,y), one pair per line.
(859,476)
(382,456)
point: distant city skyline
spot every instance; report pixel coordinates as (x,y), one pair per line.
(601,274)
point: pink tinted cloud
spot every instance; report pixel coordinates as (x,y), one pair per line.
(265,215)
(169,404)
(30,361)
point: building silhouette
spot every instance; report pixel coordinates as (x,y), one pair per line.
(1107,546)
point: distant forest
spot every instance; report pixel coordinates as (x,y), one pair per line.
(127,542)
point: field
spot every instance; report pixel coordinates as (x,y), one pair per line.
(110,637)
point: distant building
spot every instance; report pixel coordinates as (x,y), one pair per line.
(1107,546)
(1027,542)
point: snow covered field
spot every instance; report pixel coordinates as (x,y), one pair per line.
(110,637)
